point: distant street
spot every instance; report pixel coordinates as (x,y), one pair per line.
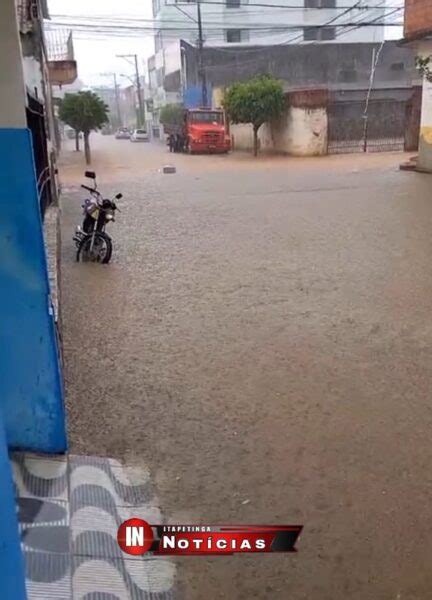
(262,342)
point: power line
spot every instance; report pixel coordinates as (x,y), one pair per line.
(109,29)
(241,8)
(283,6)
(346,11)
(269,47)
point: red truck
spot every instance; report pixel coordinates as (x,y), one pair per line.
(203,130)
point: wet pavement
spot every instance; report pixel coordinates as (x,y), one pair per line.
(263,333)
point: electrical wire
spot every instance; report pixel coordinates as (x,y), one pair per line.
(216,28)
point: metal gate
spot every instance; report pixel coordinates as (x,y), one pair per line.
(382,131)
(36,124)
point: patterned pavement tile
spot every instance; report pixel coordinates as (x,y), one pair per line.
(48,576)
(34,512)
(75,460)
(94,531)
(69,509)
(89,484)
(125,579)
(37,477)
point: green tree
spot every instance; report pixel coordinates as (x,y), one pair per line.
(85,112)
(256,101)
(171,114)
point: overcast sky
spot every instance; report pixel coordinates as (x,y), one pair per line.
(98,54)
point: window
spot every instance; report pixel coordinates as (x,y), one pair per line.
(158,41)
(235,36)
(232,3)
(206,117)
(320,3)
(319,33)
(310,33)
(327,33)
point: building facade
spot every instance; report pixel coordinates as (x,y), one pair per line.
(236,26)
(418,35)
(31,389)
(250,23)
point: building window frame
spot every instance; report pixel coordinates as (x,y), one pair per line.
(317,33)
(320,4)
(236,35)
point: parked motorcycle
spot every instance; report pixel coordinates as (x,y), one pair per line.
(93,243)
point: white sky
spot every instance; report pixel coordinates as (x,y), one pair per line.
(98,54)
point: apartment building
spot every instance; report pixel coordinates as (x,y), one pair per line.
(265,22)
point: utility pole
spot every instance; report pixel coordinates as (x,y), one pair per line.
(117,101)
(140,116)
(375,59)
(117,98)
(201,68)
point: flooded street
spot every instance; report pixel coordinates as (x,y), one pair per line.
(262,340)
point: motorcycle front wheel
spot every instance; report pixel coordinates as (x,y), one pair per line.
(99,252)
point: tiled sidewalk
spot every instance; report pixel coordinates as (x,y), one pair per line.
(69,510)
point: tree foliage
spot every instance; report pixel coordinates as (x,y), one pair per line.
(171,114)
(85,112)
(423,65)
(256,101)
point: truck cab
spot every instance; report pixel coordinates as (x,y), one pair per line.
(206,130)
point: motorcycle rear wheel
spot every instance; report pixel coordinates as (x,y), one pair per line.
(101,251)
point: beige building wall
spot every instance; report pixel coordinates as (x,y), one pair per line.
(12,92)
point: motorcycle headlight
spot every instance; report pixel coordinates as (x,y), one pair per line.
(109,216)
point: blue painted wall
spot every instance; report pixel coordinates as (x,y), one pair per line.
(12,581)
(31,392)
(192,96)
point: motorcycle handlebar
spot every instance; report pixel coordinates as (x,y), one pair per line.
(93,191)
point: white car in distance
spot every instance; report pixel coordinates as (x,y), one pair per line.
(139,135)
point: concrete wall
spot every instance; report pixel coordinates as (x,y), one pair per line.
(301,130)
(334,65)
(424,161)
(417,17)
(242,135)
(12,90)
(31,390)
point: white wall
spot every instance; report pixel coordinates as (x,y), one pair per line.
(33,76)
(216,18)
(304,133)
(300,132)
